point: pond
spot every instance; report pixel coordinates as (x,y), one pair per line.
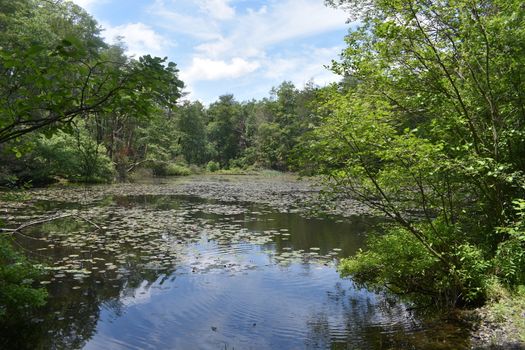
(208,263)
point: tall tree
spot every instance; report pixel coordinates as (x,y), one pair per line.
(432,124)
(225,128)
(63,73)
(190,123)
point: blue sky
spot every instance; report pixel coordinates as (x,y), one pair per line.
(243,47)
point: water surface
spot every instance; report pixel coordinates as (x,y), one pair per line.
(168,271)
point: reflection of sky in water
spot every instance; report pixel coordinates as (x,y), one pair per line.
(197,274)
(270,307)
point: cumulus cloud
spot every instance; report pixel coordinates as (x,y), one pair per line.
(257,45)
(252,29)
(209,69)
(184,20)
(257,29)
(87,4)
(219,9)
(301,68)
(139,38)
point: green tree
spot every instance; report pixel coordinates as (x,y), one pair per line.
(76,156)
(67,72)
(289,115)
(225,128)
(429,133)
(190,124)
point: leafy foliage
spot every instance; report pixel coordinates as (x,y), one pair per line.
(428,134)
(212,166)
(509,260)
(17,276)
(74,157)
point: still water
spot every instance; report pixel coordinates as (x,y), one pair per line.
(164,271)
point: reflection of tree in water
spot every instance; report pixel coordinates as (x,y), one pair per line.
(357,319)
(70,318)
(146,236)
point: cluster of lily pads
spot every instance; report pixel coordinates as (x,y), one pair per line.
(131,229)
(283,193)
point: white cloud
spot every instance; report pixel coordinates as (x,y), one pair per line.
(184,21)
(251,30)
(139,38)
(253,48)
(87,4)
(255,31)
(208,69)
(219,9)
(292,19)
(301,68)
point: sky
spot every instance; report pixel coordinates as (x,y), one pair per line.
(239,47)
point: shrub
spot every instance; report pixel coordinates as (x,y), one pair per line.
(212,166)
(397,260)
(160,168)
(509,260)
(17,275)
(177,170)
(195,169)
(77,158)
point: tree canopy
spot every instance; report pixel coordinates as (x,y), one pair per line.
(430,133)
(55,67)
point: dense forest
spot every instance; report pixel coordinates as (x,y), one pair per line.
(426,126)
(97,114)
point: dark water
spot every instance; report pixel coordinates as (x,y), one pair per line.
(178,272)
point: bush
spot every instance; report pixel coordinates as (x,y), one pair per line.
(160,168)
(74,157)
(17,275)
(509,261)
(212,166)
(239,163)
(195,169)
(397,260)
(177,170)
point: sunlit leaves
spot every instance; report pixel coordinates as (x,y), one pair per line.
(429,132)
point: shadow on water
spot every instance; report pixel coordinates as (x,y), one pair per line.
(184,272)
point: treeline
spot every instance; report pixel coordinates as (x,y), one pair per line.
(232,134)
(228,134)
(74,107)
(187,138)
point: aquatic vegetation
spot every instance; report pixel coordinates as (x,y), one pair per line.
(237,241)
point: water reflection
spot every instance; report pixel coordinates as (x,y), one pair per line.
(184,272)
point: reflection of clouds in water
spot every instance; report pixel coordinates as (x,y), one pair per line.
(266,308)
(172,271)
(140,295)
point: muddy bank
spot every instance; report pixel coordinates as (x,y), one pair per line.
(499,326)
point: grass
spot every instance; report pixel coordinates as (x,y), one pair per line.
(502,320)
(509,311)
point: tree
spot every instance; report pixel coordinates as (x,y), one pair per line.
(66,73)
(288,116)
(432,125)
(225,128)
(190,123)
